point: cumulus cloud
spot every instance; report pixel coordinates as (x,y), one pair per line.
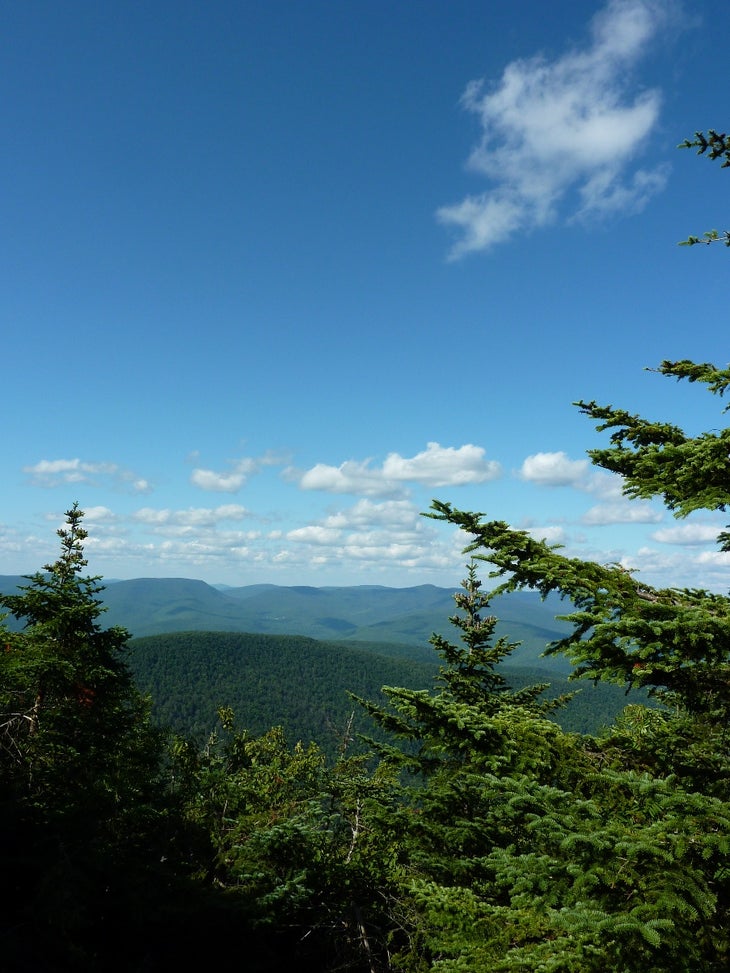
(622,512)
(552,534)
(350,477)
(376,536)
(94,515)
(389,513)
(436,466)
(609,487)
(442,466)
(554,469)
(233,479)
(61,472)
(552,127)
(719,559)
(689,534)
(362,522)
(557,469)
(315,534)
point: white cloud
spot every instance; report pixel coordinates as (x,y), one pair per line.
(622,512)
(315,534)
(376,536)
(359,524)
(554,469)
(719,559)
(442,466)
(388,513)
(436,466)
(192,517)
(647,562)
(350,477)
(232,480)
(690,534)
(61,472)
(608,486)
(552,534)
(549,127)
(557,469)
(222,482)
(63,467)
(93,515)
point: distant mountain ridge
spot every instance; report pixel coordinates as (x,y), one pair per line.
(361,613)
(287,655)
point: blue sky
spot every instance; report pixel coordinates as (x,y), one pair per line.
(274,275)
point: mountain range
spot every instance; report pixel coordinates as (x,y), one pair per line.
(398,617)
(289,655)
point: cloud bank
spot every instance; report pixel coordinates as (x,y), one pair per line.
(550,128)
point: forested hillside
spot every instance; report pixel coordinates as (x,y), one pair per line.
(303,685)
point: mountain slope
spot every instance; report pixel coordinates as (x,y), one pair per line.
(367,613)
(303,684)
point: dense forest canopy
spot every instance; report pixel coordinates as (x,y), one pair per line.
(474,834)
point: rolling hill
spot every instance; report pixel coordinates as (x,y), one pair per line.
(289,655)
(371,614)
(303,684)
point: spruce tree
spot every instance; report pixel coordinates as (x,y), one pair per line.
(80,796)
(624,864)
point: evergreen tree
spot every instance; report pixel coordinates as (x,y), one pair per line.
(539,850)
(619,857)
(524,848)
(713,146)
(79,764)
(297,850)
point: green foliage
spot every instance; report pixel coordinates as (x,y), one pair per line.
(304,849)
(527,848)
(714,146)
(607,853)
(658,459)
(302,684)
(296,682)
(80,802)
(66,690)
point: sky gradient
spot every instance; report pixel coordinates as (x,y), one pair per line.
(275,275)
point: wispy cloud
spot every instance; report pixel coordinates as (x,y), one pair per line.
(567,125)
(62,472)
(557,469)
(193,517)
(436,466)
(234,478)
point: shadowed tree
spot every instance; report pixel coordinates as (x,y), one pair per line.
(79,761)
